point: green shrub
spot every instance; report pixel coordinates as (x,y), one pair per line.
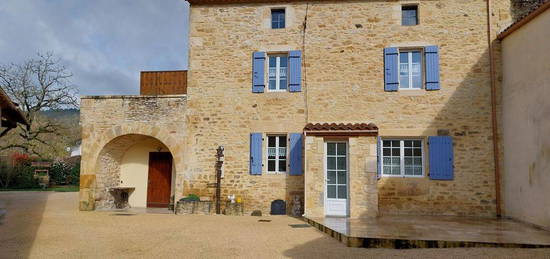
(190,197)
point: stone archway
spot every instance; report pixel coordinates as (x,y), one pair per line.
(123,161)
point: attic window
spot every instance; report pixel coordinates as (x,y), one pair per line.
(409,15)
(277,18)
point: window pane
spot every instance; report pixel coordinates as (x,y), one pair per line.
(331,177)
(417,152)
(396,170)
(282,141)
(331,163)
(386,161)
(282,152)
(418,170)
(341,163)
(272,62)
(408,143)
(272,84)
(409,15)
(331,149)
(272,141)
(341,149)
(342,192)
(387,152)
(396,161)
(395,143)
(342,177)
(409,170)
(408,151)
(386,143)
(387,169)
(283,61)
(283,84)
(282,165)
(271,165)
(271,152)
(331,191)
(395,151)
(408,161)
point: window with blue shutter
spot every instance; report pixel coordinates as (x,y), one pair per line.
(295,64)
(256,153)
(391,62)
(441,157)
(432,67)
(258,72)
(296,165)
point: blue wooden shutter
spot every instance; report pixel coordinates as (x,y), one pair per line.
(258,72)
(295,65)
(432,68)
(441,158)
(391,63)
(256,153)
(296,167)
(379,157)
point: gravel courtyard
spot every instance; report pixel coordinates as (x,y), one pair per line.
(49,225)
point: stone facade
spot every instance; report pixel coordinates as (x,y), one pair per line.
(342,81)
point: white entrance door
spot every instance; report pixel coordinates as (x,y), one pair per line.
(336,178)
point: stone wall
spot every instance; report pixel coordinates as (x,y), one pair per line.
(343,82)
(113,124)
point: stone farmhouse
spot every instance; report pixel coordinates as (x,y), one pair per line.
(358,108)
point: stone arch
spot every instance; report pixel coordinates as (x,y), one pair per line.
(112,147)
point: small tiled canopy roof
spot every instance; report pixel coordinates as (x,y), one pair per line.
(341,129)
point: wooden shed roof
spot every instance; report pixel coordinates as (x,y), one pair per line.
(10,112)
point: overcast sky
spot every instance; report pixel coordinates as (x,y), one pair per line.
(104,43)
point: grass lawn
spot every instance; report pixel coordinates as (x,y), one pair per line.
(54,188)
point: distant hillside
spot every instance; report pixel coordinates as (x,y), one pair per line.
(67,136)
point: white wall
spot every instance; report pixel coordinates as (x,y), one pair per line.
(135,168)
(526,122)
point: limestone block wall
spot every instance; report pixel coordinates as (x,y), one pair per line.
(113,124)
(342,45)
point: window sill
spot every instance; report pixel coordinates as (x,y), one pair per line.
(275,173)
(412,92)
(402,176)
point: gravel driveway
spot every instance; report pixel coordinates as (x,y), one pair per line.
(49,225)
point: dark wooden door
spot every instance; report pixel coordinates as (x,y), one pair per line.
(160,179)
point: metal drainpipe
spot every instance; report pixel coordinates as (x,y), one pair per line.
(494,111)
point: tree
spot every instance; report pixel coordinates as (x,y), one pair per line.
(38,84)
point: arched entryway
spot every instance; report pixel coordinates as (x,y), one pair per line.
(138,161)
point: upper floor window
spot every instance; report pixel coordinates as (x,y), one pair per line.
(402,157)
(276,154)
(277,18)
(277,72)
(409,15)
(410,69)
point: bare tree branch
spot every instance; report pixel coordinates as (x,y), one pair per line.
(38,84)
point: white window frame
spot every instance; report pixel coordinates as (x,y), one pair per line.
(402,157)
(277,171)
(277,72)
(422,67)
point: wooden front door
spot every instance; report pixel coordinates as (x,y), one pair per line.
(159,179)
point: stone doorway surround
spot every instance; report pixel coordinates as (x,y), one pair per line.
(363,191)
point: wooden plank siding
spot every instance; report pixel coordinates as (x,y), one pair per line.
(163,82)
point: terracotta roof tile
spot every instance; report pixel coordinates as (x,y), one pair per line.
(341,127)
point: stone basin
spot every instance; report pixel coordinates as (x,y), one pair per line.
(121,195)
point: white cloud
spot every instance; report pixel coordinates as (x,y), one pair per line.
(104,43)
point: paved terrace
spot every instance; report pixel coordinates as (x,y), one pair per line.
(432,232)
